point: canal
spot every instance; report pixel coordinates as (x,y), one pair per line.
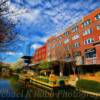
(12,88)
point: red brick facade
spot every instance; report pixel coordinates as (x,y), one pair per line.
(40,54)
(76,41)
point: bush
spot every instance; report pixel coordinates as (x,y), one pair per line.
(89,85)
(61,82)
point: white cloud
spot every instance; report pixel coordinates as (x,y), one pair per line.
(14,53)
(31,16)
(16,13)
(22,38)
(10,53)
(60,13)
(34,46)
(44,39)
(40,39)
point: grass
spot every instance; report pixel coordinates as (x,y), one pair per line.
(88,85)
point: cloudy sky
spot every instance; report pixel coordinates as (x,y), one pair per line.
(39,19)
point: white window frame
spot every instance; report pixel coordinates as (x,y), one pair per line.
(66,33)
(76,36)
(87,22)
(76,45)
(66,41)
(98,27)
(97,18)
(88,41)
(86,32)
(75,29)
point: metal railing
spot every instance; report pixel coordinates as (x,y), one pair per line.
(93,60)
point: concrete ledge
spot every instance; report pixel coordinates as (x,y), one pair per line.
(91,93)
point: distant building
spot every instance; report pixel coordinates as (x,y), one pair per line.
(40,54)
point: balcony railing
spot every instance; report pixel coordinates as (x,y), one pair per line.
(84,61)
(93,60)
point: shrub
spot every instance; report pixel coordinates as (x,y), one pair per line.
(88,85)
(61,82)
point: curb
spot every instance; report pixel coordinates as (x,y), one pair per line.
(91,93)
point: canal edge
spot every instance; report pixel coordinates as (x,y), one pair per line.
(91,93)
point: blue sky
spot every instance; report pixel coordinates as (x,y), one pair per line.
(39,19)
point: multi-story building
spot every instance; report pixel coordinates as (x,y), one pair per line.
(40,54)
(78,41)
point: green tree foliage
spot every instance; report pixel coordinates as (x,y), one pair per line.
(18,65)
(44,65)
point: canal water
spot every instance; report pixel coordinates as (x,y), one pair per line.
(12,88)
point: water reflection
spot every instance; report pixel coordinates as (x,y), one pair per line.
(17,89)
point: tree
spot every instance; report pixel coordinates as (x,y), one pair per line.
(60,53)
(7,33)
(17,65)
(9,38)
(44,65)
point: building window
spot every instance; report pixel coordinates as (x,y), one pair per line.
(67,48)
(60,37)
(53,40)
(97,17)
(98,27)
(37,53)
(75,37)
(59,44)
(86,23)
(90,53)
(66,41)
(66,33)
(74,29)
(54,46)
(88,41)
(76,45)
(86,32)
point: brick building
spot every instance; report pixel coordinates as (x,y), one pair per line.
(77,41)
(40,54)
(80,42)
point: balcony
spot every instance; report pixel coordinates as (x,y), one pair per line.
(94,60)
